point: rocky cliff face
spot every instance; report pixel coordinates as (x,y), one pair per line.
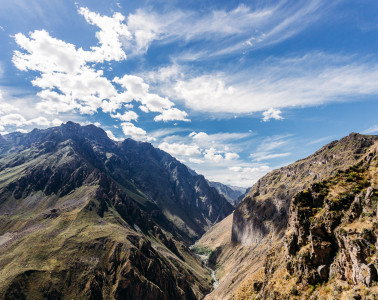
(84,217)
(265,209)
(330,245)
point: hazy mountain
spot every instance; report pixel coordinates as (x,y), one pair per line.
(230,192)
(82,216)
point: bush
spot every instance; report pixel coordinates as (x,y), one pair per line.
(294,291)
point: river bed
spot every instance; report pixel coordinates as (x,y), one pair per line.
(205,260)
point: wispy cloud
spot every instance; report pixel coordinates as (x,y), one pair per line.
(321,140)
(276,84)
(239,29)
(371,130)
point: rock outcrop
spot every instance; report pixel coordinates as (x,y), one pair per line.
(265,209)
(329,249)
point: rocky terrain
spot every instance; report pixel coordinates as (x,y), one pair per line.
(307,230)
(82,216)
(265,209)
(330,246)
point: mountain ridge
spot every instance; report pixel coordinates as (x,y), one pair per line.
(96,202)
(260,221)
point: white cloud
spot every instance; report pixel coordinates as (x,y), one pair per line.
(247,176)
(56,122)
(126,117)
(322,140)
(110,37)
(265,151)
(276,84)
(272,113)
(371,130)
(42,121)
(196,160)
(136,133)
(234,30)
(172,114)
(79,86)
(176,149)
(138,90)
(213,154)
(231,156)
(111,136)
(6,108)
(13,120)
(71,81)
(264,156)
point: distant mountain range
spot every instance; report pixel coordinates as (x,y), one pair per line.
(83,216)
(230,192)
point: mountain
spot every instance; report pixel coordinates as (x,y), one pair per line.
(303,227)
(265,209)
(231,193)
(330,245)
(82,216)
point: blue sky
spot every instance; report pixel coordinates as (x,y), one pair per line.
(233,89)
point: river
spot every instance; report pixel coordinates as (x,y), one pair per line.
(205,261)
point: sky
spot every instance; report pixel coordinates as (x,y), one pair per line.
(233,89)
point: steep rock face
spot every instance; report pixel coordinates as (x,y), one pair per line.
(330,246)
(174,187)
(82,217)
(265,209)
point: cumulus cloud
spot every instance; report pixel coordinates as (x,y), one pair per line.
(111,136)
(12,119)
(177,149)
(126,117)
(70,80)
(136,133)
(18,120)
(6,108)
(113,31)
(56,122)
(247,176)
(213,154)
(272,113)
(231,156)
(172,114)
(196,160)
(38,121)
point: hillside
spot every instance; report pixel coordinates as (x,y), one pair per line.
(261,221)
(265,209)
(84,216)
(330,246)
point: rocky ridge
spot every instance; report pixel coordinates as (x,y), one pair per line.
(83,216)
(265,209)
(330,246)
(270,224)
